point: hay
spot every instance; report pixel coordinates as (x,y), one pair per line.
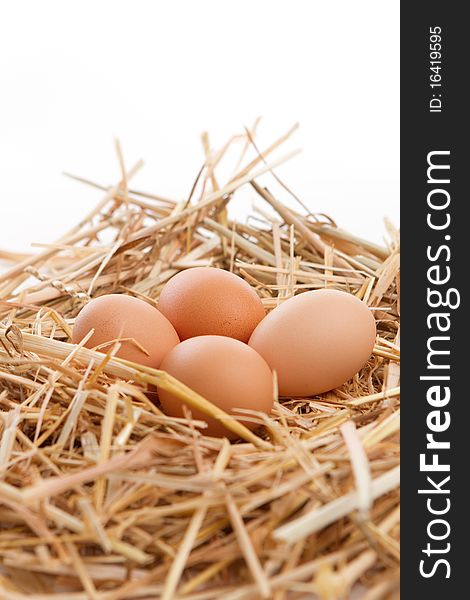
(103,496)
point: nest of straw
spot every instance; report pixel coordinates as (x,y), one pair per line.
(103,496)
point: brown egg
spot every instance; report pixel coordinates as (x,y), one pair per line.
(226,372)
(118,316)
(210,301)
(316,341)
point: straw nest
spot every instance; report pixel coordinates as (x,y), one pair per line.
(103,496)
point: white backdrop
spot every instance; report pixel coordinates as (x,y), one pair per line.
(156,74)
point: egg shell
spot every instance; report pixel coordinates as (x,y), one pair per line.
(114,316)
(316,341)
(226,372)
(211,301)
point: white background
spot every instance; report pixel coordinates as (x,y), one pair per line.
(74,75)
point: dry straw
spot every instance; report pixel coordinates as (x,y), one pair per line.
(103,496)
